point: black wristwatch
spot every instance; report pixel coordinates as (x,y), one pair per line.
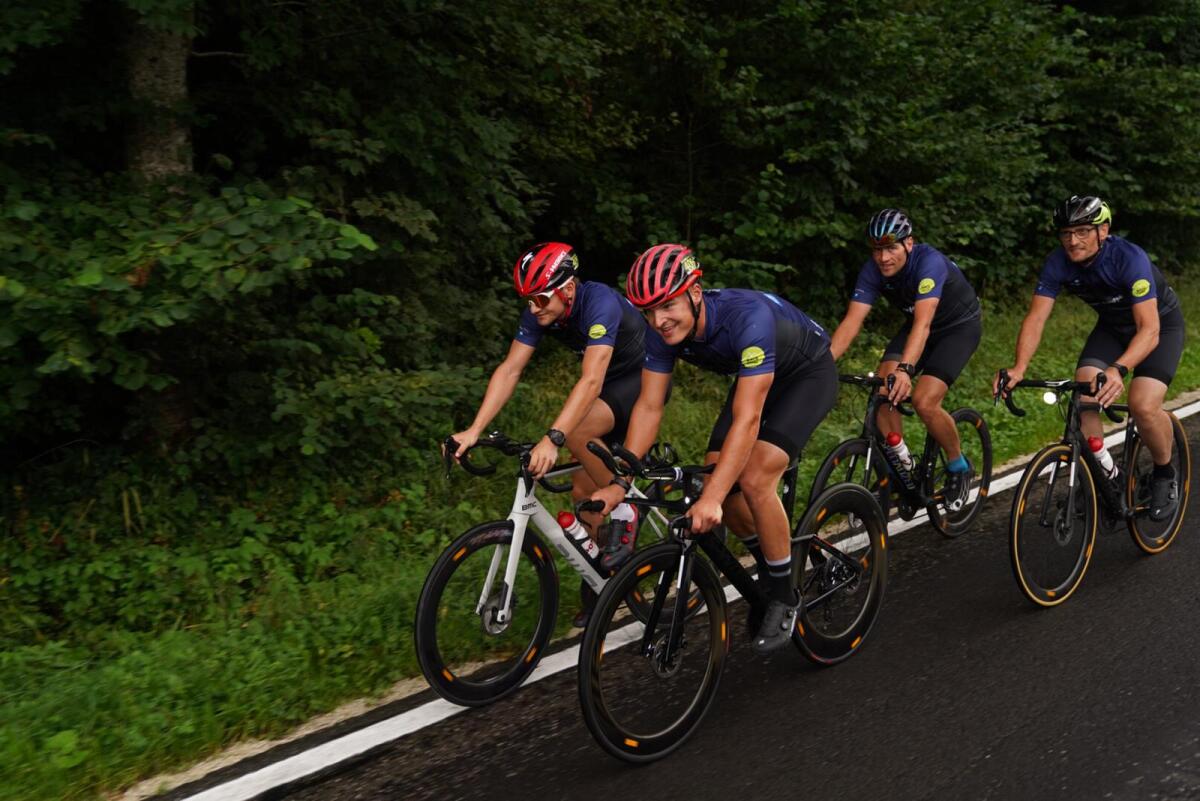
(1122,369)
(557,437)
(908,368)
(620,482)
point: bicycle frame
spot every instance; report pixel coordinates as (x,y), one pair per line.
(527,509)
(909,482)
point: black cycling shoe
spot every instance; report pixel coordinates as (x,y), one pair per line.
(587,596)
(754,618)
(777,625)
(620,543)
(955,492)
(1164,497)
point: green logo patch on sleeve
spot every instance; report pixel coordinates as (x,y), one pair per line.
(926,286)
(597,331)
(753,356)
(1141,288)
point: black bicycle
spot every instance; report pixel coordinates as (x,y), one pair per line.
(865,460)
(1064,493)
(645,686)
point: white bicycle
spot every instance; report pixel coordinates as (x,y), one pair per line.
(489,606)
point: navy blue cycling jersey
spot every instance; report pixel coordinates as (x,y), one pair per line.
(600,315)
(1120,277)
(926,274)
(745,332)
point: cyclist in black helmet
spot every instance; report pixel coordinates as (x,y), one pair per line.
(941,331)
(1139,328)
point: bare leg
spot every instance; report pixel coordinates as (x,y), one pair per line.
(927,401)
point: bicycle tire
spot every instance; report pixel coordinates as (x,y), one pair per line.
(1031,552)
(1151,537)
(631,721)
(843,463)
(841,538)
(469,669)
(976,442)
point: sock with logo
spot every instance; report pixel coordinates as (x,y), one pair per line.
(959,465)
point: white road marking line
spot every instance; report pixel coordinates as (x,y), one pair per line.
(331,753)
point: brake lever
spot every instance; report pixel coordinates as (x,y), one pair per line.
(449,448)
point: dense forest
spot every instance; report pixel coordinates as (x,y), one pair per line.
(255,255)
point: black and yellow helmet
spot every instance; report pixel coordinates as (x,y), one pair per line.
(1085,210)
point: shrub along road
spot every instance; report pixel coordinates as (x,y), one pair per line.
(965,690)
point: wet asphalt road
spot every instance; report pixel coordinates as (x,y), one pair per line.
(963,690)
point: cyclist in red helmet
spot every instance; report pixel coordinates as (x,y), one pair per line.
(785,384)
(608,334)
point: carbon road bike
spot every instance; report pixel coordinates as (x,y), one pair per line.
(1064,494)
(489,605)
(644,686)
(865,460)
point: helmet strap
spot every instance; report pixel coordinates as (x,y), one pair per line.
(695,316)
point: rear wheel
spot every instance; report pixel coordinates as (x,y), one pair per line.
(848,462)
(1050,543)
(976,443)
(840,554)
(468,655)
(1149,535)
(641,697)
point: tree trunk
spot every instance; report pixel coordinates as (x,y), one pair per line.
(159,142)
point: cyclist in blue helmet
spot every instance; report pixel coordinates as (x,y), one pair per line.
(942,329)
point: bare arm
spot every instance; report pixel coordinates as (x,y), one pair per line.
(748,402)
(914,346)
(1031,331)
(849,327)
(500,388)
(1028,339)
(647,412)
(1145,316)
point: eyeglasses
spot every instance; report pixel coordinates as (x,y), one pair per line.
(540,300)
(1081,234)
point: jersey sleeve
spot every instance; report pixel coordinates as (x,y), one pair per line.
(528,331)
(603,321)
(1050,280)
(1137,277)
(932,272)
(660,357)
(754,340)
(866,288)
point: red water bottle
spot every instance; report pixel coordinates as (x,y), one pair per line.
(578,534)
(1103,457)
(896,446)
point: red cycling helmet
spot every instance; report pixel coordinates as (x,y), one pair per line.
(544,267)
(661,273)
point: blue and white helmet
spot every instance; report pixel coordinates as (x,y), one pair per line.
(888,227)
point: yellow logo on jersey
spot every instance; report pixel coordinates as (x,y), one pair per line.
(597,331)
(753,356)
(926,286)
(1140,288)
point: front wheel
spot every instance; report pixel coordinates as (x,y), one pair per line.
(840,555)
(469,655)
(642,690)
(1050,537)
(1149,535)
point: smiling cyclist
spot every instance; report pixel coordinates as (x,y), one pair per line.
(608,334)
(785,384)
(1139,327)
(941,331)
